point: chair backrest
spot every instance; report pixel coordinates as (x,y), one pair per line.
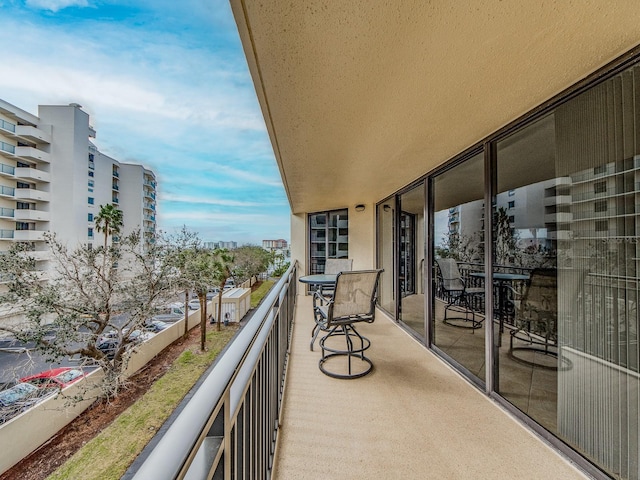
(355,296)
(336,265)
(450,274)
(540,298)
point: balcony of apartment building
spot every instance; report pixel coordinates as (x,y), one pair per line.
(37,135)
(267,411)
(7,192)
(29,235)
(149,194)
(7,213)
(32,173)
(7,170)
(32,214)
(7,150)
(32,193)
(33,154)
(8,129)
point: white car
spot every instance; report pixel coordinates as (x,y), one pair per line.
(194,304)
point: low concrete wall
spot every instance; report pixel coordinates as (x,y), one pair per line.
(25,433)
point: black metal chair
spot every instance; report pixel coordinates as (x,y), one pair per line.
(536,315)
(354,301)
(323,294)
(458,295)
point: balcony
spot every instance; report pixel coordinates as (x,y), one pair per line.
(6,234)
(7,170)
(28,235)
(33,134)
(33,215)
(7,191)
(557,200)
(33,154)
(32,194)
(7,128)
(413,417)
(558,217)
(7,150)
(7,212)
(33,174)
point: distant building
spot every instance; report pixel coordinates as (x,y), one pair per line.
(274,244)
(54,179)
(227,245)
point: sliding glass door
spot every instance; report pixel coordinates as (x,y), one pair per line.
(458,320)
(411,259)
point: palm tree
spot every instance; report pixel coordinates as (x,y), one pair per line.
(108,221)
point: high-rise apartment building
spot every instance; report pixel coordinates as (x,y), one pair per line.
(54,179)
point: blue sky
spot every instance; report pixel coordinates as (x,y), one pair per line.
(167,85)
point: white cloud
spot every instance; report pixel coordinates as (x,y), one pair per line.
(55,5)
(209,201)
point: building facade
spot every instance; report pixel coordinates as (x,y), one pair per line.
(54,179)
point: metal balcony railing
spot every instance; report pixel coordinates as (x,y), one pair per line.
(228,429)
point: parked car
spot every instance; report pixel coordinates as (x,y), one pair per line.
(194,304)
(18,398)
(19,394)
(212,293)
(155,326)
(230,283)
(56,377)
(137,335)
(108,346)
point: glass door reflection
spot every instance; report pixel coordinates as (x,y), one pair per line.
(458,245)
(411,254)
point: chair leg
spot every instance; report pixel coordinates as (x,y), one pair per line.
(461,303)
(352,352)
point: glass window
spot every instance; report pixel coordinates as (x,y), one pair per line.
(91,200)
(328,238)
(90,232)
(568,339)
(512,204)
(600,206)
(90,217)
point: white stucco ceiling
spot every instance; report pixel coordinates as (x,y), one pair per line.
(362,97)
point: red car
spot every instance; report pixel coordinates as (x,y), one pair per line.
(56,377)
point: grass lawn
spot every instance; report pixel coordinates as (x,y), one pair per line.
(260,292)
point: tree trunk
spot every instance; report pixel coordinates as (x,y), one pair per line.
(186,313)
(220,306)
(203,320)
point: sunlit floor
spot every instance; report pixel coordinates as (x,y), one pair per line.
(527,379)
(412,417)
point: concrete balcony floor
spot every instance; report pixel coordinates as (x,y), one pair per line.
(412,417)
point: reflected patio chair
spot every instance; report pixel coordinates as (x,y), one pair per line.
(354,301)
(459,297)
(536,319)
(323,294)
